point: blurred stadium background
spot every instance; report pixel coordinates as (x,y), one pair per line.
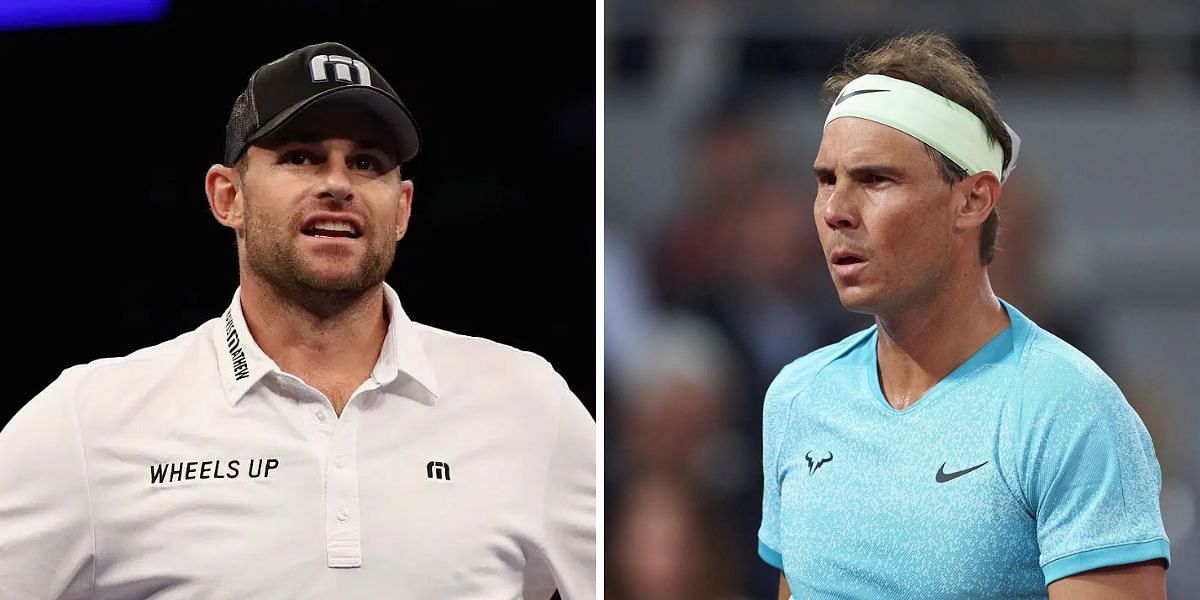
(714,278)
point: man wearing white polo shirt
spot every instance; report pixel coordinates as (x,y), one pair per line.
(311,442)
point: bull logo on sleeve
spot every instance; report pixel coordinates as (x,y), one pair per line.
(814,465)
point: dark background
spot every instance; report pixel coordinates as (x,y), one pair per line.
(110,129)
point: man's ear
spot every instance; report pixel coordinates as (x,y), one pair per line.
(222,185)
(404,211)
(978,196)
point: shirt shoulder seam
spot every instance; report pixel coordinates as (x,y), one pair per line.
(86,486)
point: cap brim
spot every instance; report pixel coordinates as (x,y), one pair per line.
(394,114)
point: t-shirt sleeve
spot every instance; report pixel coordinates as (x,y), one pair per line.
(46,538)
(570,500)
(775,409)
(1092,481)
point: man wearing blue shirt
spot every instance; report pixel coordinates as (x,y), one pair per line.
(955,449)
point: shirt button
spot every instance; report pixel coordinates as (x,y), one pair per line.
(339,461)
(320,414)
(342,515)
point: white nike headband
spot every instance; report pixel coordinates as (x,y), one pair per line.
(939,122)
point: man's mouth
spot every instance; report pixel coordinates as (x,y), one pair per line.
(332,229)
(842,258)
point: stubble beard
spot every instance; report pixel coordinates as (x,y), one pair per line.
(272,254)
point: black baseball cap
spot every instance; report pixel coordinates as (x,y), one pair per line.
(283,88)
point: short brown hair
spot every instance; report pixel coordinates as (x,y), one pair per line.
(932,61)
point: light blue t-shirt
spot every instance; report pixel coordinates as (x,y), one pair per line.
(1023,466)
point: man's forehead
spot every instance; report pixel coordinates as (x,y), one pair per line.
(855,140)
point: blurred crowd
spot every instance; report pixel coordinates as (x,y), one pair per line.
(699,318)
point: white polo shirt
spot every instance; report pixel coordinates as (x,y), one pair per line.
(462,468)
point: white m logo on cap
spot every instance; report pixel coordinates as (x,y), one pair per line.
(319,68)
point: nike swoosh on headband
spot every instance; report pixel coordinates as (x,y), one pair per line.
(843,97)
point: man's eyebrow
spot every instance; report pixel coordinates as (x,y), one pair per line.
(308,137)
(885,170)
(858,171)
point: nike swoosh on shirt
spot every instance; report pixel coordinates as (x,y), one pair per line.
(942,476)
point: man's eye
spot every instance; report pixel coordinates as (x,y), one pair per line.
(297,157)
(366,163)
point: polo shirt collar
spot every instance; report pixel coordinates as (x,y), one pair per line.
(242,363)
(402,350)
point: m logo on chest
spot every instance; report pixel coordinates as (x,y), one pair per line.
(438,470)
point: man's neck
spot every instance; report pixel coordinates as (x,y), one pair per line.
(340,346)
(920,345)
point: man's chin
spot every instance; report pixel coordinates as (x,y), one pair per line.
(336,275)
(857,300)
(337,283)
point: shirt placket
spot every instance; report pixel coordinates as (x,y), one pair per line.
(343,522)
